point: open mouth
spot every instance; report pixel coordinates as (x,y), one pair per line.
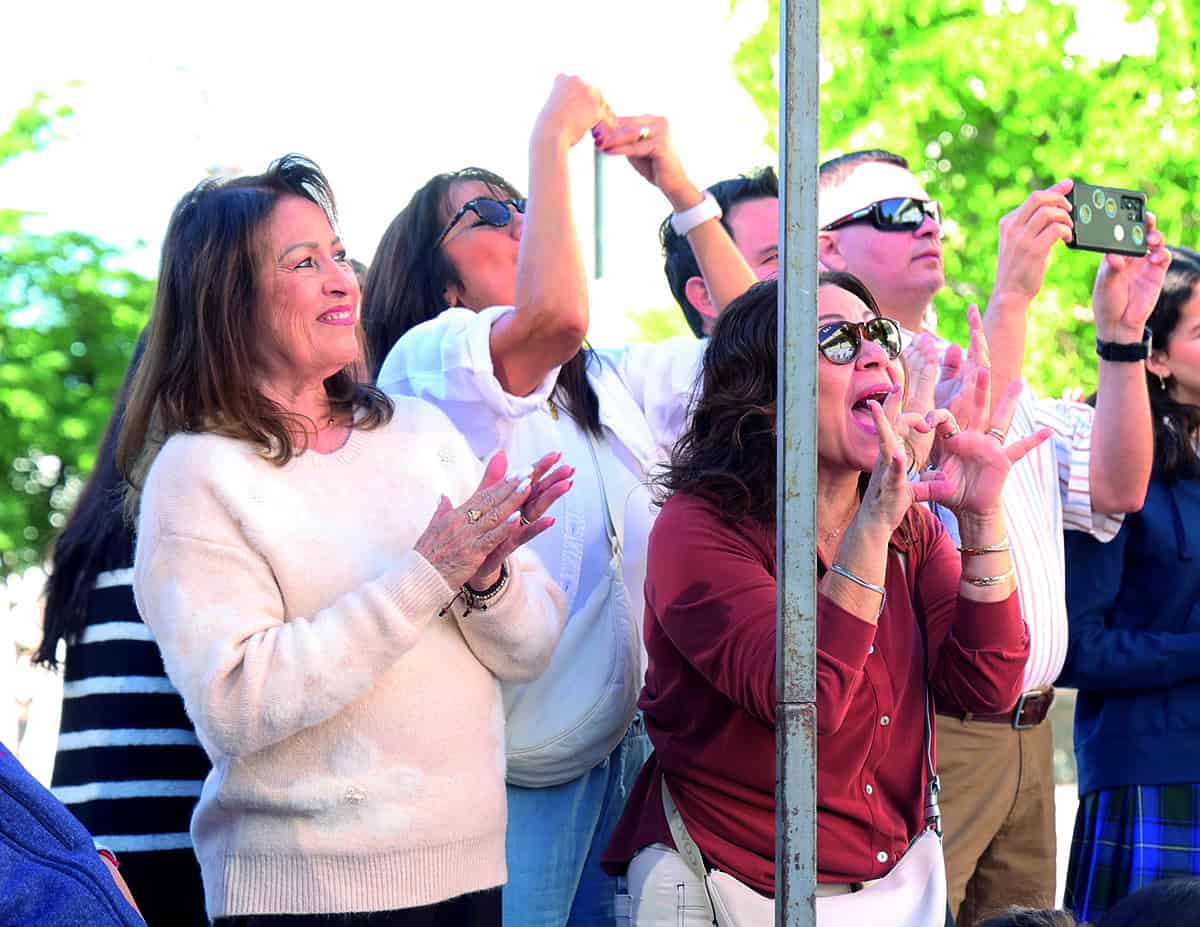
(861,414)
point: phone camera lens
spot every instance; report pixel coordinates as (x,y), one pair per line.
(1110,208)
(1085,213)
(1138,234)
(1098,198)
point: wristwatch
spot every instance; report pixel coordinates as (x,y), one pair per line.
(1125,353)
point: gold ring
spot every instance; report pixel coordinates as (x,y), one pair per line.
(997,434)
(473,515)
(643,133)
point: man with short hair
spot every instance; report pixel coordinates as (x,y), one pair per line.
(878,222)
(748,206)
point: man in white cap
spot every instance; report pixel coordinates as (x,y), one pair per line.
(877,222)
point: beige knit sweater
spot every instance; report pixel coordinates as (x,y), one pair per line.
(357,738)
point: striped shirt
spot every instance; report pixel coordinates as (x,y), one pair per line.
(1048,490)
(128,764)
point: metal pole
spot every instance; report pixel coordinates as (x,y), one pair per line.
(796,718)
(598,212)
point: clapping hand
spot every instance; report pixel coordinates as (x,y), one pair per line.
(467,544)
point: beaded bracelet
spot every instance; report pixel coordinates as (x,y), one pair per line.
(988,580)
(858,580)
(480,600)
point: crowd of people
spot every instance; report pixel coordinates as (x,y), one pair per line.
(391,601)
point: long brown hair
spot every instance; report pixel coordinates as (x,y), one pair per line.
(207,332)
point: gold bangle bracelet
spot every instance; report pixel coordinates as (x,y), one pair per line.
(988,580)
(998,548)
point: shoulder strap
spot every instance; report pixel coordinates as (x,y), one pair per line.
(614,521)
(683,840)
(933,812)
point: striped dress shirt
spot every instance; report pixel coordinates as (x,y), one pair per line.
(1048,490)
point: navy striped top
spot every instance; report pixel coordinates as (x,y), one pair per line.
(128,765)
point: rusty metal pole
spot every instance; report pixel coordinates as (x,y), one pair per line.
(796,717)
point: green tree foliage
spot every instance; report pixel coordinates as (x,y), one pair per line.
(991,99)
(70,317)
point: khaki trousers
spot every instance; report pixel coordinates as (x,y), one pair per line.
(998,816)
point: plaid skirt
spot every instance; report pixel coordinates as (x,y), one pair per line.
(1128,837)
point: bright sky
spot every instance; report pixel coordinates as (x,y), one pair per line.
(382,95)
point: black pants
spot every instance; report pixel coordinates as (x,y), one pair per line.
(478,909)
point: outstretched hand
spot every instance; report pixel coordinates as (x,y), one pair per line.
(974,459)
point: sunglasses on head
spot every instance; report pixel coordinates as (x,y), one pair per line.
(895,214)
(490,211)
(840,342)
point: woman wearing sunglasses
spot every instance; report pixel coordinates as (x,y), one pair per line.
(506,361)
(898,610)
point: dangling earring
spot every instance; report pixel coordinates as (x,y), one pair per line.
(1162,381)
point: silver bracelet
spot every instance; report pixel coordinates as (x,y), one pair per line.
(858,580)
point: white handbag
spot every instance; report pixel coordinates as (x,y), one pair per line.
(912,894)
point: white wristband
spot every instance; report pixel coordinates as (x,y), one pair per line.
(707,208)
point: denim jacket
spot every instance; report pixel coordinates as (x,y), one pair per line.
(50,872)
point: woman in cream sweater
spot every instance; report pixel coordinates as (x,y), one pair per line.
(334,580)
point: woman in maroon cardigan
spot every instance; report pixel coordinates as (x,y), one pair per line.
(894,596)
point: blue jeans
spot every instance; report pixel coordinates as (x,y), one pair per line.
(556,836)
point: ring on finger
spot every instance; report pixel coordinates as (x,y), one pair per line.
(473,515)
(643,133)
(997,434)
(525,522)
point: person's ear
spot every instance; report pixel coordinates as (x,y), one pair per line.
(451,295)
(829,253)
(1156,363)
(697,294)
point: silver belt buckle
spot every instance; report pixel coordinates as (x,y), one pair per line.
(1020,708)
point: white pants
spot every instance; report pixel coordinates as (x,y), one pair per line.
(663,892)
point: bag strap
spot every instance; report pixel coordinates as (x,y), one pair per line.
(933,811)
(614,522)
(683,840)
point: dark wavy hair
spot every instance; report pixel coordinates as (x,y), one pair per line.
(680,264)
(95,538)
(727,452)
(1176,424)
(202,364)
(407,282)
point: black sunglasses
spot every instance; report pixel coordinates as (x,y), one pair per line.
(896,214)
(490,210)
(840,342)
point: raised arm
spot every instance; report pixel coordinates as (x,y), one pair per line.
(1122,440)
(646,142)
(551,317)
(1026,236)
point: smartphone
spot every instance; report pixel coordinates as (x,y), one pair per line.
(1108,219)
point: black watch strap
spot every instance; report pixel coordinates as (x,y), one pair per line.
(1125,353)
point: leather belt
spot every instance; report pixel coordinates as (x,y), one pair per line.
(1030,711)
